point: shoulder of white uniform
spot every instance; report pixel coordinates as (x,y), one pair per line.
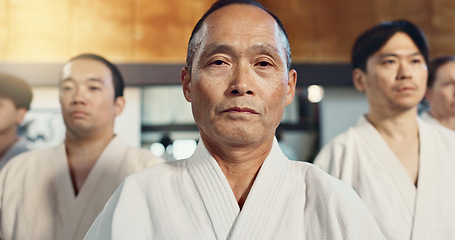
(338,208)
(334,148)
(30,158)
(436,131)
(318,179)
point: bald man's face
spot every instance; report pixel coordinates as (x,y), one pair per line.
(239,84)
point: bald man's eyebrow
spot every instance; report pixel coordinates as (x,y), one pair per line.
(212,49)
(266,49)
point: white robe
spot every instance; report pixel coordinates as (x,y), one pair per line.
(192,199)
(426,116)
(17,148)
(37,199)
(361,158)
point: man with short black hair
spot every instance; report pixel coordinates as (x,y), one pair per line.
(401,167)
(15,98)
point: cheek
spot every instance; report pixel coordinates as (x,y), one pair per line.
(63,101)
(276,98)
(446,94)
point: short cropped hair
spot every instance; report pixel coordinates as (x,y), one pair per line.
(193,45)
(434,65)
(16,89)
(117,79)
(376,37)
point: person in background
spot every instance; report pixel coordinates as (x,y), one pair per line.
(441,92)
(56,193)
(15,98)
(238,184)
(400,166)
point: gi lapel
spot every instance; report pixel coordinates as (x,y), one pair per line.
(261,208)
(389,161)
(215,191)
(99,185)
(427,187)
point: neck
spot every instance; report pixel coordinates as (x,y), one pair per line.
(394,125)
(240,164)
(448,121)
(7,139)
(82,154)
(401,133)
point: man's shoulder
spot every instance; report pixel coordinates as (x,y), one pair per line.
(438,134)
(317,180)
(343,142)
(158,173)
(34,162)
(30,157)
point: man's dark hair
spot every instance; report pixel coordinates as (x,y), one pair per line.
(376,37)
(193,45)
(16,89)
(117,78)
(434,65)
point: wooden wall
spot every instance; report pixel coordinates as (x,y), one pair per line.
(157,31)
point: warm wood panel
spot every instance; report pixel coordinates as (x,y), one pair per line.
(37,30)
(3,28)
(101,26)
(163,28)
(298,19)
(337,24)
(443,27)
(157,31)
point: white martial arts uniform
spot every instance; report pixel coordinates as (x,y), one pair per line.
(430,119)
(192,199)
(37,199)
(361,158)
(17,148)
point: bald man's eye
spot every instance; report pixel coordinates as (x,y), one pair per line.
(218,62)
(264,64)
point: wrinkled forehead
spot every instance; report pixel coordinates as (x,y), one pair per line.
(243,24)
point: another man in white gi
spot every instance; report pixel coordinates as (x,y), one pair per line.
(57,193)
(238,184)
(441,92)
(15,98)
(401,167)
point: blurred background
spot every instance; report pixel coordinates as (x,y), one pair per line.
(147,39)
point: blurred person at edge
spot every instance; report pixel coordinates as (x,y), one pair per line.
(15,98)
(440,93)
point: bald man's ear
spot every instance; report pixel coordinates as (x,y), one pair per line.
(186,83)
(292,81)
(359,78)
